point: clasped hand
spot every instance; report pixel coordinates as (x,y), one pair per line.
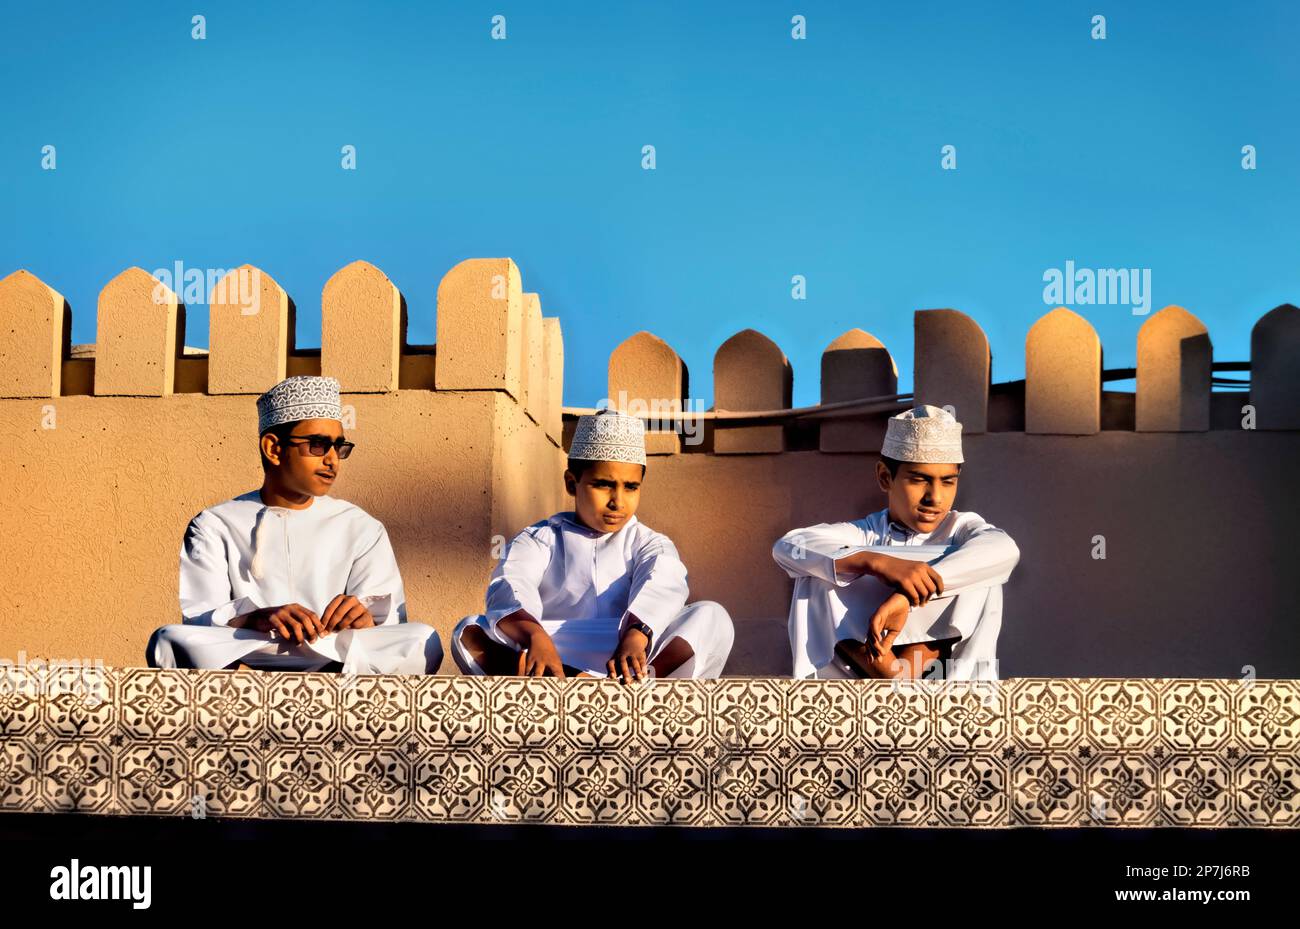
(294,623)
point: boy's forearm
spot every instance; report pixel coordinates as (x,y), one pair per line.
(983,561)
(241,621)
(857,565)
(520,626)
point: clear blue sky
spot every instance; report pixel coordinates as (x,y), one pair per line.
(775,157)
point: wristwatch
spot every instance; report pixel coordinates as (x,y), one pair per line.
(643,629)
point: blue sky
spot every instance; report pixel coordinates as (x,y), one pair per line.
(775,157)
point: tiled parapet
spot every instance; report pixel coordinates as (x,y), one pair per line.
(1021,752)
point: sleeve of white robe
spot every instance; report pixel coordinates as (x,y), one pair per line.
(983,557)
(812,552)
(375,581)
(205,579)
(517,579)
(658,590)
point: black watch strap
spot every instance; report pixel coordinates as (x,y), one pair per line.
(643,629)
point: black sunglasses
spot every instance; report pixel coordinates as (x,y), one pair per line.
(318,446)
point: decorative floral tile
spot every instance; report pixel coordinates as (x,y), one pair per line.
(896,790)
(1268,714)
(450,711)
(747,789)
(228,778)
(301,782)
(596,789)
(970,718)
(302,708)
(79,702)
(599,715)
(374,709)
(1196,790)
(523,787)
(822,715)
(1268,790)
(1196,715)
(1122,790)
(526,713)
(449,787)
(157,704)
(672,789)
(1047,714)
(20,778)
(748,711)
(672,716)
(78,776)
(154,778)
(1047,789)
(20,710)
(971,790)
(896,718)
(374,784)
(823,789)
(230,706)
(1122,714)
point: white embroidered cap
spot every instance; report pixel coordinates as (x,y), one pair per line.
(923,434)
(609,436)
(295,398)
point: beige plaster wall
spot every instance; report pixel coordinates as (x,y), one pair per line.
(95,508)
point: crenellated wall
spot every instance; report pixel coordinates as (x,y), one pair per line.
(109,454)
(1191,502)
(110,451)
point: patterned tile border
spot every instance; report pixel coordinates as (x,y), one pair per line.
(742,751)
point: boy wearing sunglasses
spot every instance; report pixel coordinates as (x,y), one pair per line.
(287,577)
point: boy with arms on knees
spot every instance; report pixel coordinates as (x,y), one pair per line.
(287,577)
(595,592)
(914,583)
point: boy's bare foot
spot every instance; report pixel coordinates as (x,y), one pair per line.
(920,654)
(854,655)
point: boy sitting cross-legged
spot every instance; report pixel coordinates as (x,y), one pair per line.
(288,577)
(595,592)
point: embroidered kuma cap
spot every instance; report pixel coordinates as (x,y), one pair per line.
(609,436)
(295,398)
(925,435)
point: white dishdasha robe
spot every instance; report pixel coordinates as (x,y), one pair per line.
(241,555)
(581,585)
